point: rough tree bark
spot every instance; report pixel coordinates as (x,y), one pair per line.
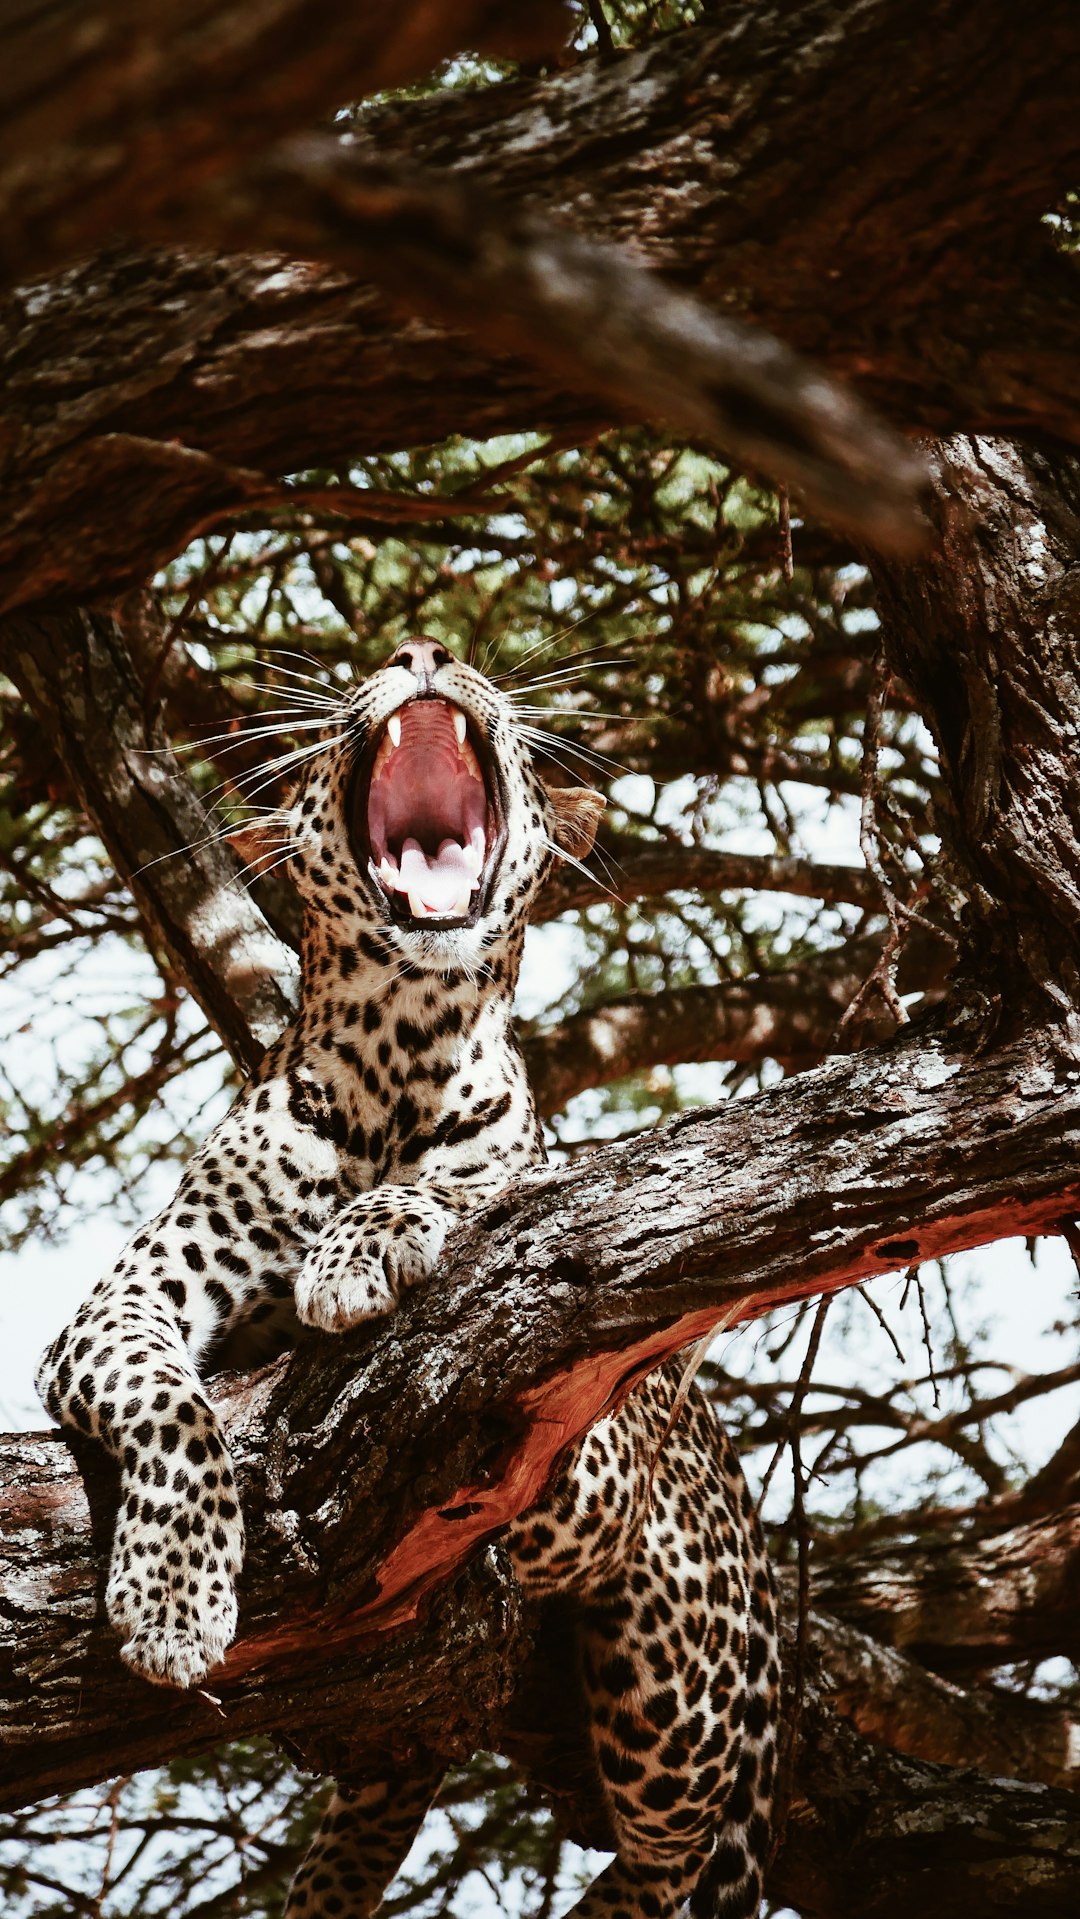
(551,1306)
(752,159)
(117,102)
(981,1600)
(80,679)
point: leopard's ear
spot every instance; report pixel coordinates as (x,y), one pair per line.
(577,811)
(259,844)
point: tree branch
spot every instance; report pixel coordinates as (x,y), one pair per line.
(634,869)
(966,1602)
(179,383)
(875,1833)
(550,1308)
(791,1015)
(586,312)
(995,667)
(153,103)
(78,676)
(897,1702)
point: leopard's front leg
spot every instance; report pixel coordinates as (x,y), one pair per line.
(121,1373)
(382,1241)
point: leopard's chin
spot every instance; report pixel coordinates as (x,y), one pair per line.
(426,817)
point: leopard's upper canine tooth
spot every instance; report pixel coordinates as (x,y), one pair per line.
(393,727)
(460,725)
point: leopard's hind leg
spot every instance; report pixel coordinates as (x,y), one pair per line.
(365,1836)
(652,1525)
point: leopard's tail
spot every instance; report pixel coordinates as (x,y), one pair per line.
(731,1882)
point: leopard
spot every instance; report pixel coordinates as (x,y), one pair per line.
(418,835)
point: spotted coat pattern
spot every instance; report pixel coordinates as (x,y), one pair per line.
(396,1100)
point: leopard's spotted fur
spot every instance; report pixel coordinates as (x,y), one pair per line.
(396,1100)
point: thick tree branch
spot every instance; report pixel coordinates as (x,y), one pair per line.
(149,104)
(791,1015)
(634,869)
(584,311)
(966,1602)
(707,152)
(877,1833)
(1057,1483)
(985,631)
(75,670)
(896,1701)
(552,1305)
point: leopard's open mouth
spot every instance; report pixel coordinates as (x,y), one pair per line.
(427,817)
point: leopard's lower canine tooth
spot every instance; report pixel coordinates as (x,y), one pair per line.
(388,874)
(418,908)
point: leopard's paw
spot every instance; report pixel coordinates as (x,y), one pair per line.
(171,1593)
(377,1246)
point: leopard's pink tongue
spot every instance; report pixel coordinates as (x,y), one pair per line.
(442,884)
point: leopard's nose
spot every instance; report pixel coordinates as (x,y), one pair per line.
(422,658)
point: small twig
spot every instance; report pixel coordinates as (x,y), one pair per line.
(175,627)
(913,1278)
(787,561)
(113,1803)
(882,1321)
(882,975)
(604,41)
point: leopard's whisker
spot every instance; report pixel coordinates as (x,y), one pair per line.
(571,859)
(547,743)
